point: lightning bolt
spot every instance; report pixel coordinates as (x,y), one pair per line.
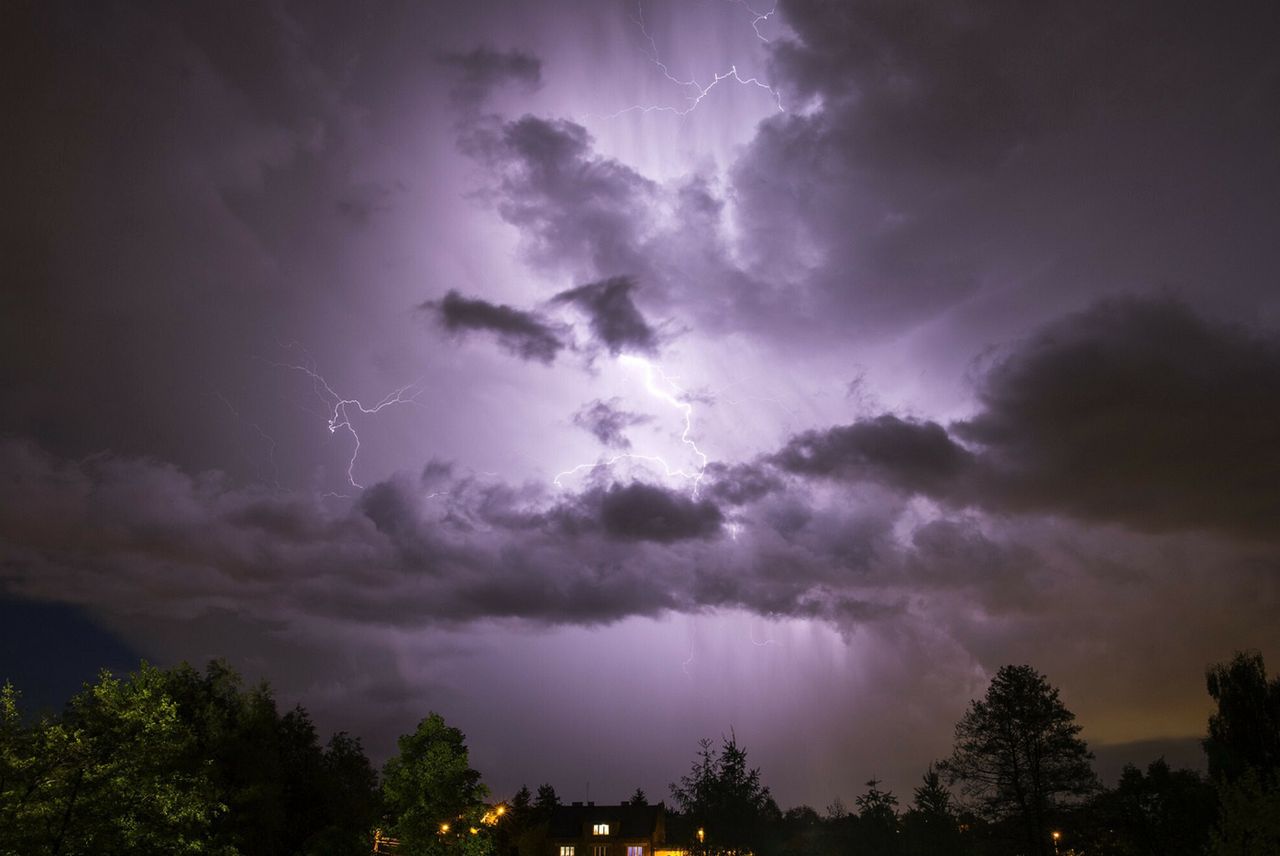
(697,91)
(758,19)
(658,384)
(341,409)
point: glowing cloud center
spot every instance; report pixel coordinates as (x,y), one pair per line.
(658,384)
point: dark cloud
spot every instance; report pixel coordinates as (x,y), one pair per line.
(482,69)
(525,334)
(608,423)
(915,178)
(905,454)
(613,316)
(955,553)
(575,210)
(965,83)
(740,484)
(642,512)
(1139,412)
(140,536)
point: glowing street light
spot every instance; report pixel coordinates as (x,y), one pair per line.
(1057,836)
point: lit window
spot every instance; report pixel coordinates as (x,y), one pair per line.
(600,829)
(566,850)
(599,850)
(635,851)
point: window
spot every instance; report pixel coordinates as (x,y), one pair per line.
(566,850)
(600,829)
(635,851)
(599,850)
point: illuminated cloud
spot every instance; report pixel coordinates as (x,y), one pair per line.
(1049,459)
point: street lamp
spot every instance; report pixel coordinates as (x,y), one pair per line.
(1057,836)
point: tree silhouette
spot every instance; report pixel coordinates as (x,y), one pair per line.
(1243,748)
(1019,757)
(722,796)
(930,823)
(878,820)
(1244,732)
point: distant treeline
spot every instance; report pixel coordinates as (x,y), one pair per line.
(182,762)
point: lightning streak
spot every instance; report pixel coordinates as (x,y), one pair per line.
(341,409)
(697,91)
(672,395)
(759,17)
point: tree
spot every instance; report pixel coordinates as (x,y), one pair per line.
(930,825)
(434,797)
(108,777)
(285,792)
(1162,812)
(1243,748)
(802,833)
(179,762)
(546,801)
(1244,732)
(508,832)
(638,798)
(1019,757)
(350,799)
(723,797)
(877,820)
(1249,820)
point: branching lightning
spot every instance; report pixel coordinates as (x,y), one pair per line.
(341,409)
(758,19)
(697,91)
(658,384)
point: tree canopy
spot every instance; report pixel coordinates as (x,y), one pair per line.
(433,794)
(724,798)
(1018,755)
(1243,748)
(179,762)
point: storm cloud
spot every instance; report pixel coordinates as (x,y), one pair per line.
(1137,412)
(576,210)
(608,422)
(1042,239)
(912,456)
(483,68)
(525,334)
(614,318)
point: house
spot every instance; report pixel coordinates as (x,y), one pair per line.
(608,830)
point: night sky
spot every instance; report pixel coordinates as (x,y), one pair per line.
(609,375)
